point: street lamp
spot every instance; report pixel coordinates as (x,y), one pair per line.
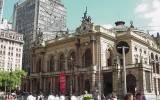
(72,76)
(123,48)
(10,85)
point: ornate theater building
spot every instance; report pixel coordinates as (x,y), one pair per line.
(87,59)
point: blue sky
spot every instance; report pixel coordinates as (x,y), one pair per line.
(103,12)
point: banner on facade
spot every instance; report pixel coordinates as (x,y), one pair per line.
(62,82)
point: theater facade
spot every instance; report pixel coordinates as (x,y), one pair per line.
(87,59)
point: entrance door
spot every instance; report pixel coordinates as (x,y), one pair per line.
(131,83)
(107,83)
(87,85)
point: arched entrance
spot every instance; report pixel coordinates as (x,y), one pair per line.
(87,85)
(131,83)
(107,83)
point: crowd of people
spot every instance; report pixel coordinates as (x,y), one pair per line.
(94,96)
(137,96)
(52,96)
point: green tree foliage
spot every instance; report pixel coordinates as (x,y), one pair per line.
(11,79)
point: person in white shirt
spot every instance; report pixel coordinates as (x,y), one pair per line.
(62,97)
(73,97)
(31,97)
(51,96)
(41,97)
(57,97)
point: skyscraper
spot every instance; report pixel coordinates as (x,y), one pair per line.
(31,16)
(1,9)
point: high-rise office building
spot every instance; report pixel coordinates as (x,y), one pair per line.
(32,16)
(1,9)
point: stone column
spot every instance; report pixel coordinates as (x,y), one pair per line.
(30,82)
(42,66)
(157,86)
(76,83)
(93,41)
(144,82)
(66,62)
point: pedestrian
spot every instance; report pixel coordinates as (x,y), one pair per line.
(57,97)
(103,97)
(11,97)
(128,96)
(62,97)
(51,96)
(73,97)
(41,97)
(95,95)
(31,97)
(138,96)
(114,97)
(143,97)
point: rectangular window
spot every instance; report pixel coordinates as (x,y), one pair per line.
(155,87)
(121,62)
(148,81)
(136,60)
(157,68)
(159,85)
(154,69)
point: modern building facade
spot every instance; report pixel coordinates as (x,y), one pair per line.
(88,60)
(1,9)
(34,16)
(11,50)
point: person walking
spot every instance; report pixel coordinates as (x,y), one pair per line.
(138,96)
(57,97)
(73,97)
(128,96)
(41,97)
(31,97)
(51,96)
(62,97)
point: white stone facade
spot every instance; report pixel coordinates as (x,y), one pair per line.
(93,49)
(11,50)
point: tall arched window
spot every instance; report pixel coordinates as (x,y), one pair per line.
(109,57)
(71,60)
(51,64)
(131,83)
(157,64)
(87,58)
(156,57)
(153,64)
(38,66)
(61,66)
(152,56)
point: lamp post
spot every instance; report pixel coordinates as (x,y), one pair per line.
(10,85)
(72,76)
(123,48)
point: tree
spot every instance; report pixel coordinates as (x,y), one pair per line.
(11,79)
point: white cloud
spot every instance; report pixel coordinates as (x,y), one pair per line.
(107,26)
(149,10)
(141,8)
